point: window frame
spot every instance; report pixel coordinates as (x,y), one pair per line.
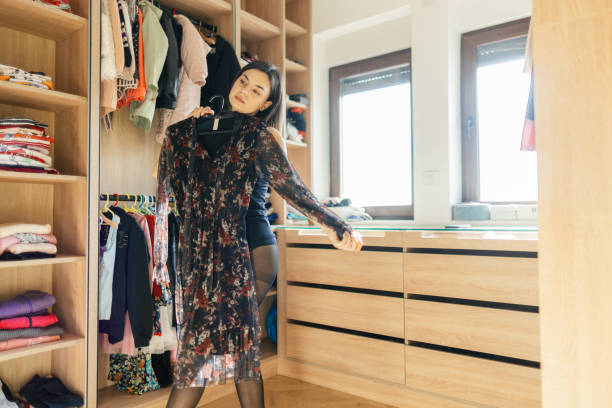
(336,75)
(469,107)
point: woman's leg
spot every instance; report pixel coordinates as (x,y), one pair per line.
(185,397)
(264,260)
(251,394)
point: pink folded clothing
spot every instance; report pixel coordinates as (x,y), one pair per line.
(25,248)
(26,238)
(17,343)
(15,228)
(24,322)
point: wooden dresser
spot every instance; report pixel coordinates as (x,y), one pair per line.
(418,318)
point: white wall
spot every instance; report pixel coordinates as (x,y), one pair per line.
(432,29)
(331,14)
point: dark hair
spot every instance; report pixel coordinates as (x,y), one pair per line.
(270,115)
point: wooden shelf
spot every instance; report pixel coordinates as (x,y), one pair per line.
(293,104)
(37,98)
(291,143)
(200,9)
(254,28)
(293,29)
(7,176)
(68,340)
(60,259)
(268,349)
(293,67)
(39,19)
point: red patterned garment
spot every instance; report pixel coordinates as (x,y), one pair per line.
(217,314)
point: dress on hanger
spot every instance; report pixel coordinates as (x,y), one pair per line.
(216,306)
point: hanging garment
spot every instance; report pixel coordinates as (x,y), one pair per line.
(155,50)
(528,138)
(106,270)
(168,81)
(131,288)
(134,90)
(217,314)
(5,402)
(107,45)
(193,75)
(126,38)
(133,374)
(223,66)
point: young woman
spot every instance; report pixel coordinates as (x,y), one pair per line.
(216,304)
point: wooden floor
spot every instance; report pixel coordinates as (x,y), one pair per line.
(285,392)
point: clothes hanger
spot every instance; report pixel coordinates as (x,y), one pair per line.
(125,204)
(105,219)
(221,122)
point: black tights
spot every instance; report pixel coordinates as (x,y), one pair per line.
(264,260)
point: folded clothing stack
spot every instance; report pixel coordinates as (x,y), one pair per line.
(300,98)
(58,4)
(26,241)
(296,125)
(19,76)
(25,321)
(49,392)
(25,146)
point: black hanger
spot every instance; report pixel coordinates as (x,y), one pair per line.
(220,123)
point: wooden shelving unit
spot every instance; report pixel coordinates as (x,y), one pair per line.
(39,178)
(68,340)
(293,29)
(38,19)
(37,98)
(291,143)
(206,10)
(293,67)
(37,37)
(59,259)
(255,28)
(293,104)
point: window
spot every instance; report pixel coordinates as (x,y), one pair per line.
(494,101)
(371,134)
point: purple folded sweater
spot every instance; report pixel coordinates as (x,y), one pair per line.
(29,303)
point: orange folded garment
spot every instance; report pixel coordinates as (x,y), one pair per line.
(17,343)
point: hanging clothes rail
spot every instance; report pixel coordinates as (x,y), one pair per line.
(128,197)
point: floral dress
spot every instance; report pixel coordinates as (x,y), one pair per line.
(216,307)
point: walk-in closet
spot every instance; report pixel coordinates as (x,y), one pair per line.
(457,254)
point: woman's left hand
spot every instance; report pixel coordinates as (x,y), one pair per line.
(350,241)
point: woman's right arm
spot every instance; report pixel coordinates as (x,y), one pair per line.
(272,164)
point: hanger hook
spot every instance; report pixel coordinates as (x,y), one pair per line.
(116,200)
(222,100)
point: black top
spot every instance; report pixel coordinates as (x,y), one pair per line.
(169,78)
(223,66)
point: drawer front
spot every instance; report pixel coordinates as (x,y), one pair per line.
(486,382)
(474,240)
(348,353)
(502,332)
(366,269)
(380,238)
(356,311)
(488,278)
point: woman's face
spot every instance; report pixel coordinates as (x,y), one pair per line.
(250,92)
